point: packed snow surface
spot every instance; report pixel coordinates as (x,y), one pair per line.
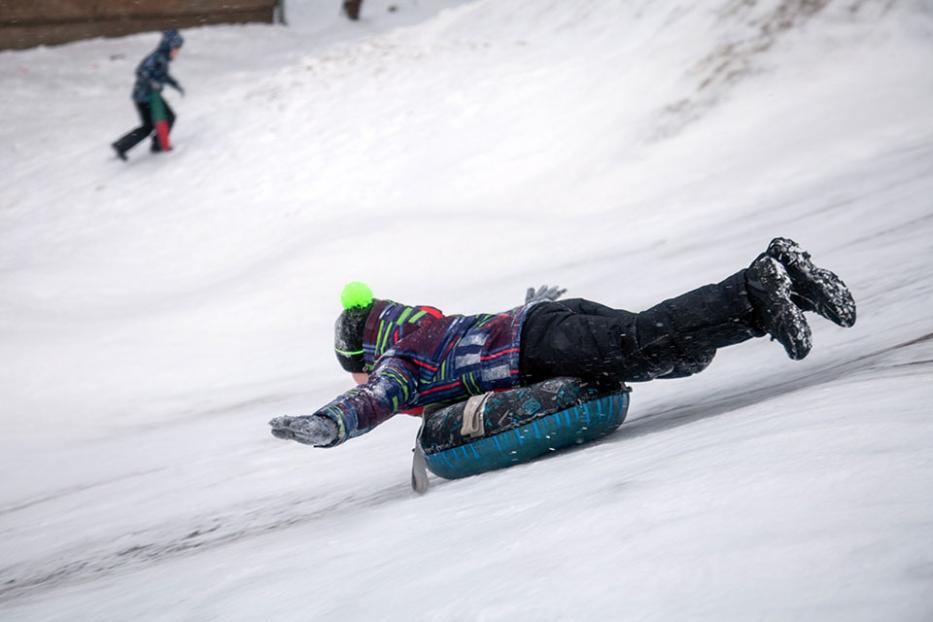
(155,314)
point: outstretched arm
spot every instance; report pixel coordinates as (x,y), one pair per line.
(391,389)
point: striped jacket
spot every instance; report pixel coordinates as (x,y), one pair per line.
(419,356)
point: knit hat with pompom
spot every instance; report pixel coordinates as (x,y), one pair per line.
(357,301)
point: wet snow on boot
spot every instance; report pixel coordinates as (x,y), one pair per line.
(778,315)
(816,289)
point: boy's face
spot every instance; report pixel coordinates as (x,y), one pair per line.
(360,377)
(173,53)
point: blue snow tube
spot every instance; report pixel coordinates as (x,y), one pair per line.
(498,430)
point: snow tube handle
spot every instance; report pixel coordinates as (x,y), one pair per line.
(419,470)
(419,463)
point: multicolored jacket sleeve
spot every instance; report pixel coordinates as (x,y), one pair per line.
(392,387)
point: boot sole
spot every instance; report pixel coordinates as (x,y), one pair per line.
(822,290)
(789,326)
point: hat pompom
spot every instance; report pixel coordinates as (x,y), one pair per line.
(356,295)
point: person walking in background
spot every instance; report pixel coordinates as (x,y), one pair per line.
(151,76)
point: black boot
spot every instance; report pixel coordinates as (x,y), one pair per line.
(770,290)
(814,289)
(120,153)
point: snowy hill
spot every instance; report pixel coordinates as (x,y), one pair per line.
(155,314)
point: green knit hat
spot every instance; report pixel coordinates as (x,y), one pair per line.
(357,299)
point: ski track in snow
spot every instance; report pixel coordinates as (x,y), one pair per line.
(155,314)
(208,531)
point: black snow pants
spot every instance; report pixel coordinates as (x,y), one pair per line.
(133,138)
(673,339)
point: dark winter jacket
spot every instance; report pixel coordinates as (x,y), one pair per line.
(152,73)
(419,356)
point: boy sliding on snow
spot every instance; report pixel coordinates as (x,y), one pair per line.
(406,357)
(151,76)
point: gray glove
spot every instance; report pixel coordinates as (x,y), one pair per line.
(307,429)
(543,293)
